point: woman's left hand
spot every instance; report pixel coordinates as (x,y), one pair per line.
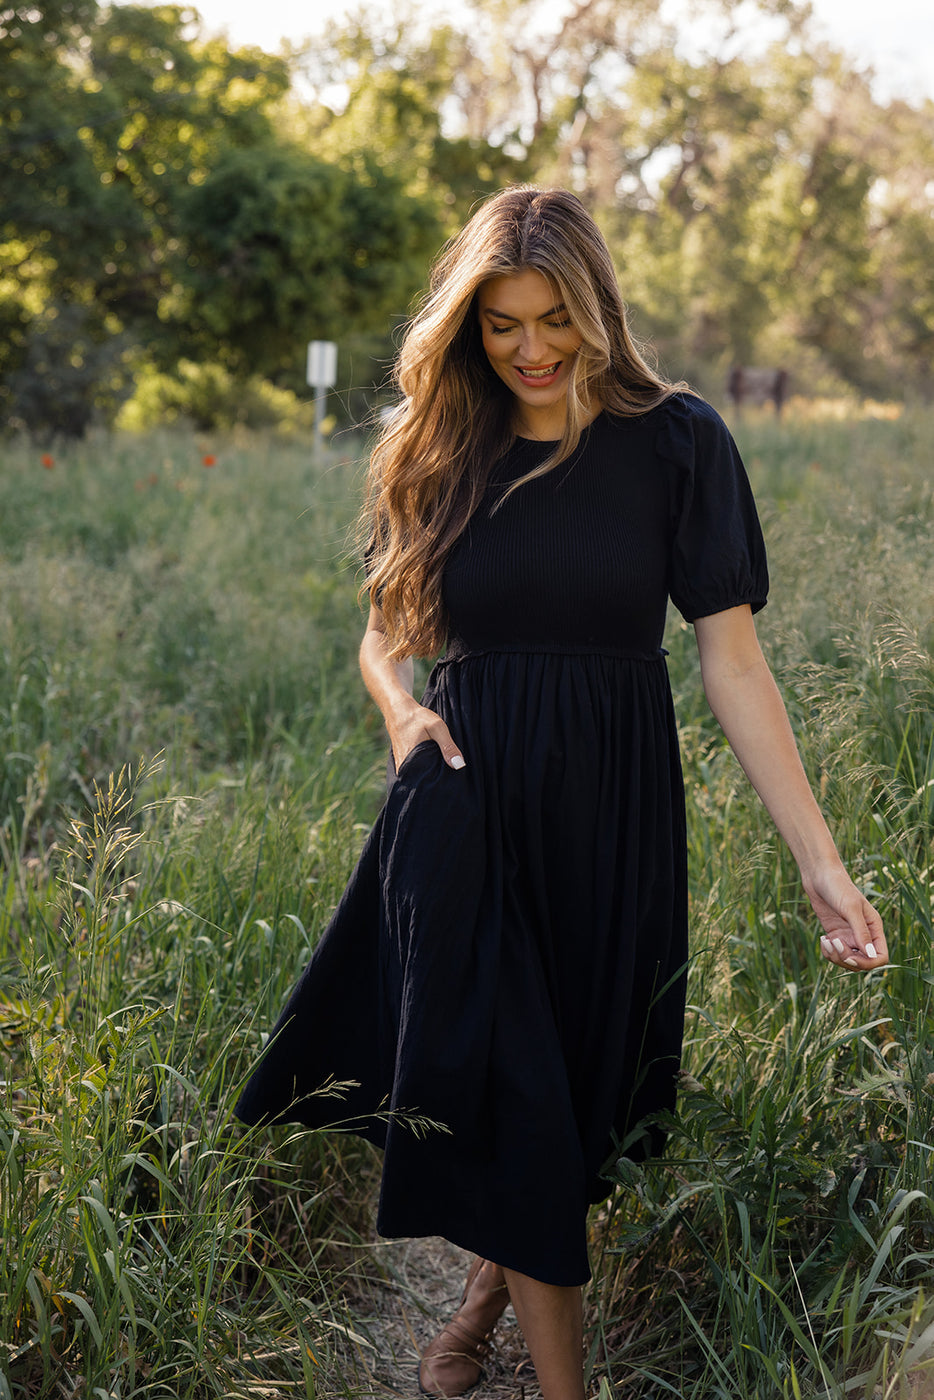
(853,936)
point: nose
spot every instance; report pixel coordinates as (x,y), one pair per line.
(532,344)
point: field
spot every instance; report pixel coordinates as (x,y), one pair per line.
(189,761)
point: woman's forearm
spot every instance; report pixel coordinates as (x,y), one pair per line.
(746,702)
(749,709)
(390,683)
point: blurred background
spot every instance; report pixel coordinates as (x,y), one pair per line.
(187,199)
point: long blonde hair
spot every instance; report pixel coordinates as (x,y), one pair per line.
(431,463)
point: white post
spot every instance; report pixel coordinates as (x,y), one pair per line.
(321,375)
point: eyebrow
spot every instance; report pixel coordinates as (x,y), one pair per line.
(504,315)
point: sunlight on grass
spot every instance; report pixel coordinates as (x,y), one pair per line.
(155,910)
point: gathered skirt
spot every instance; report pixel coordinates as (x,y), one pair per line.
(501,987)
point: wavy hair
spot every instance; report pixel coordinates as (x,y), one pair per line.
(432,460)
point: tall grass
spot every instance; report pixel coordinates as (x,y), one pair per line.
(154,910)
(785,1246)
(143,1250)
(205,615)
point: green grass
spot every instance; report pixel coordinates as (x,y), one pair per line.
(204,618)
(189,762)
(786,1245)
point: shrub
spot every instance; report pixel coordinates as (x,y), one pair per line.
(208,396)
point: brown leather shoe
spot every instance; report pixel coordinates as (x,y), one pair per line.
(452,1363)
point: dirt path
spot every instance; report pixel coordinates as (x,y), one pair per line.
(407,1291)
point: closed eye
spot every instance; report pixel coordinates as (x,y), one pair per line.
(507,330)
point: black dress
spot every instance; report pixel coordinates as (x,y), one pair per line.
(508,959)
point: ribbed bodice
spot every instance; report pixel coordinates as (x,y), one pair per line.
(586,556)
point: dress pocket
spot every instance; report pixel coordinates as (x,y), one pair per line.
(412,760)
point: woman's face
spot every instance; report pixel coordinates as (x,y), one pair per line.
(532,345)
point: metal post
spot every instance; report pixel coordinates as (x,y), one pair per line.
(321,375)
(321,398)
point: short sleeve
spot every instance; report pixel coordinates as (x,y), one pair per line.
(718,556)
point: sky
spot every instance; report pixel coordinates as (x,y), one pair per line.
(893,37)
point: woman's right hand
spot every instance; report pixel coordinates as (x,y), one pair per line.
(416,726)
(390,684)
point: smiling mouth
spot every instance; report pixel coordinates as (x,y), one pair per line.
(541,372)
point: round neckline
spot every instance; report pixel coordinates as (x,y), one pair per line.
(552,442)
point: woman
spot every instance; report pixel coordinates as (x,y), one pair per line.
(508,960)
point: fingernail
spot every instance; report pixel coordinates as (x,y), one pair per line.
(457,761)
(870,951)
(826,944)
(838,944)
(850,962)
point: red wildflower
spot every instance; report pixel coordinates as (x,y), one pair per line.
(208,460)
(47,460)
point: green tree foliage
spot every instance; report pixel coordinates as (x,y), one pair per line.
(397,78)
(54,213)
(901,202)
(282,248)
(150,207)
(748,187)
(166,198)
(746,200)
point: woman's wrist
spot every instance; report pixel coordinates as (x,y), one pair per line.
(817,866)
(398,714)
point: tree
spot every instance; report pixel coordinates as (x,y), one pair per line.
(56,219)
(398,77)
(106,117)
(165,197)
(281,248)
(758,198)
(150,200)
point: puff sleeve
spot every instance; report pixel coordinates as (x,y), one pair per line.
(718,558)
